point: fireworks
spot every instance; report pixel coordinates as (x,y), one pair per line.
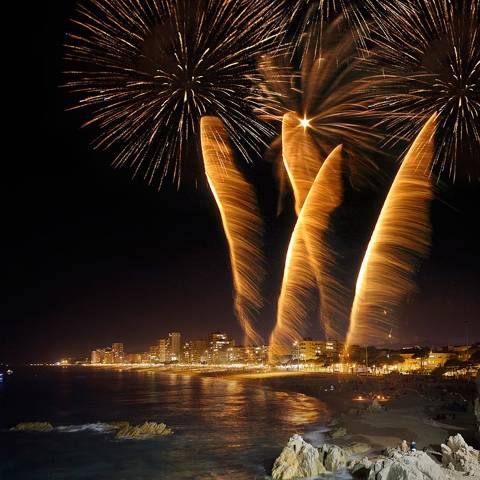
(400,238)
(148,70)
(326,88)
(237,204)
(302,15)
(300,157)
(308,261)
(155,76)
(429,54)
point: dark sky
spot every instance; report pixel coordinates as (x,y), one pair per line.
(93,256)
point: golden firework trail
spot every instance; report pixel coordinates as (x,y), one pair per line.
(237,203)
(400,238)
(300,156)
(308,261)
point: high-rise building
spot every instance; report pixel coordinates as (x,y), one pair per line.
(218,345)
(174,347)
(162,350)
(97,356)
(195,351)
(108,358)
(118,353)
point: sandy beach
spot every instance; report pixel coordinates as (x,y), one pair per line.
(418,408)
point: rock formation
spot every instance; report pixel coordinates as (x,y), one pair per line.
(33,427)
(406,466)
(298,459)
(333,458)
(146,430)
(458,455)
(360,468)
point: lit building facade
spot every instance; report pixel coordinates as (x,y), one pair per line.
(218,345)
(97,356)
(117,352)
(173,347)
(108,358)
(310,349)
(195,351)
(162,350)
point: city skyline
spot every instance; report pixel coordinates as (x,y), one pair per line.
(93,252)
(177,349)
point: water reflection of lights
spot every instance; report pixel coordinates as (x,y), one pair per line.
(301,409)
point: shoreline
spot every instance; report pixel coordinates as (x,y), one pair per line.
(425,410)
(415,407)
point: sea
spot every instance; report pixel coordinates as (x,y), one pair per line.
(223,428)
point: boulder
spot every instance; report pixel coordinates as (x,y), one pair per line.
(406,466)
(458,455)
(33,427)
(360,468)
(298,459)
(333,458)
(146,430)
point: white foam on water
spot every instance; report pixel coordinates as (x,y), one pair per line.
(316,437)
(86,427)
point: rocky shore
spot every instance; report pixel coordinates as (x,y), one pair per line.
(122,430)
(300,459)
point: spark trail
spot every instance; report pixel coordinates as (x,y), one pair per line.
(237,203)
(400,239)
(308,258)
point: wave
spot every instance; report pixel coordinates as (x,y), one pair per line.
(98,427)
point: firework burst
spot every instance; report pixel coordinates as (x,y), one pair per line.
(429,54)
(303,15)
(325,87)
(148,70)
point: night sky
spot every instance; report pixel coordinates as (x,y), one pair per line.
(93,256)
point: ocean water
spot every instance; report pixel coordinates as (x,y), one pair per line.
(224,429)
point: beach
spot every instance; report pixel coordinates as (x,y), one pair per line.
(419,408)
(411,407)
